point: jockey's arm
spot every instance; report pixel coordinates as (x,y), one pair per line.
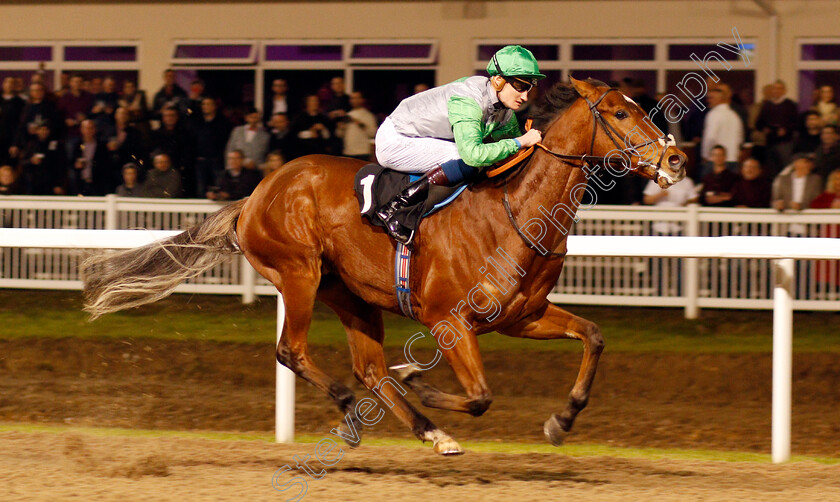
(465,117)
(510,129)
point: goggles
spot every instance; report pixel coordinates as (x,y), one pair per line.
(519,84)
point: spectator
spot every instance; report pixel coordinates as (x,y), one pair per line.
(36,111)
(418,88)
(211,134)
(11,107)
(777,120)
(279,101)
(63,85)
(797,188)
(192,104)
(273,162)
(134,100)
(251,138)
(808,139)
(170,95)
(43,163)
(94,85)
(638,91)
(311,129)
(717,185)
(826,106)
(827,156)
(757,137)
(358,129)
(90,173)
(827,272)
(162,182)
(753,189)
(279,137)
(177,141)
(74,107)
(236,182)
(679,195)
(8,181)
(125,143)
(830,199)
(722,126)
(129,187)
(105,103)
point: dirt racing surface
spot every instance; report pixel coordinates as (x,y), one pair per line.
(693,401)
(72,466)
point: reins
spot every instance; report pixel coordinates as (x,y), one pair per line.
(585,160)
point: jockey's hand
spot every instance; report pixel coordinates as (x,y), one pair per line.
(530,138)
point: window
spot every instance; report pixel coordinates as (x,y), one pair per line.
(818,65)
(407,52)
(214,53)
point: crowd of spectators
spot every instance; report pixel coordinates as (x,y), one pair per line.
(764,156)
(90,138)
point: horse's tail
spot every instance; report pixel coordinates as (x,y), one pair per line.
(119,280)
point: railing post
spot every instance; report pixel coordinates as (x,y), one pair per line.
(284,412)
(249,280)
(111,221)
(691,267)
(782,358)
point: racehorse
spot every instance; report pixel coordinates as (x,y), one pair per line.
(301,230)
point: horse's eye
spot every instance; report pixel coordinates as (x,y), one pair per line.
(621,115)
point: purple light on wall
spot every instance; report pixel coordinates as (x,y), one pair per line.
(603,52)
(228,51)
(821,52)
(683,52)
(100,53)
(303,53)
(392,51)
(10,53)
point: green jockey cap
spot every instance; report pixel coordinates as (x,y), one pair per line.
(514,61)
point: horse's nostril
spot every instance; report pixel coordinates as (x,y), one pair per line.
(674,160)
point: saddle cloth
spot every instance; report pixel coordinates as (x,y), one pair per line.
(376,185)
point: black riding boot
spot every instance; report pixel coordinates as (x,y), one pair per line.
(413,193)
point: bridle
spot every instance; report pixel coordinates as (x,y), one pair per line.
(665,141)
(586,160)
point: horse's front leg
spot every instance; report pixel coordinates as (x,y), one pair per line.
(550,323)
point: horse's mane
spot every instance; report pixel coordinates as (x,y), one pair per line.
(555,101)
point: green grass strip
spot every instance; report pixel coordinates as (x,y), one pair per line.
(571,450)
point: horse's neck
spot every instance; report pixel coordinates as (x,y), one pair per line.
(543,190)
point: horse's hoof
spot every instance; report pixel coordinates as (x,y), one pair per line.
(554,432)
(448,447)
(405,371)
(353,438)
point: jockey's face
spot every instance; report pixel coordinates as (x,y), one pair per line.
(512,98)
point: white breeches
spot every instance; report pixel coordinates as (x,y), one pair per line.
(407,154)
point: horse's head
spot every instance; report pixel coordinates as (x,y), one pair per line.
(623,134)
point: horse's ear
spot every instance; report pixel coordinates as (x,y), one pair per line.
(585,89)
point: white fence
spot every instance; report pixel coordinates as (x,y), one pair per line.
(779,249)
(691,283)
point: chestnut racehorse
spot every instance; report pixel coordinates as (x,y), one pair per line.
(301,230)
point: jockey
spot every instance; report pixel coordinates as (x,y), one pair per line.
(441,132)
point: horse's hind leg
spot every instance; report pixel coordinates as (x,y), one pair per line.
(553,323)
(365,334)
(299,287)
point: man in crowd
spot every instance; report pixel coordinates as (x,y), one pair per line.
(74,107)
(753,189)
(162,181)
(797,188)
(237,181)
(722,126)
(808,139)
(211,135)
(11,107)
(279,101)
(358,129)
(279,137)
(89,163)
(170,95)
(777,120)
(251,139)
(175,139)
(827,156)
(717,185)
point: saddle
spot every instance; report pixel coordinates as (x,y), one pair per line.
(376,185)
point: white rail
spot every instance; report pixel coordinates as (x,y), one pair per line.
(782,250)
